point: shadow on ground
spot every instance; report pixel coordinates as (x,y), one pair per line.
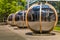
(41,34)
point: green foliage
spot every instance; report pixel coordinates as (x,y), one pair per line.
(57,4)
(10,6)
(57,28)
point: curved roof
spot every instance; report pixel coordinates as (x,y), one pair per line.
(11,15)
(36,8)
(21,13)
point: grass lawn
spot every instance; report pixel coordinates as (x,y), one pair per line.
(57,28)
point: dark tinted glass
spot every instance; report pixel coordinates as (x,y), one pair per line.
(33,14)
(16,17)
(10,18)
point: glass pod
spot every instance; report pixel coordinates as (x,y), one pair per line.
(41,18)
(10,19)
(20,18)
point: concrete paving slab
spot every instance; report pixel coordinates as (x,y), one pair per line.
(7,34)
(27,33)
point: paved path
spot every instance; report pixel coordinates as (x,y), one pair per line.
(26,33)
(7,34)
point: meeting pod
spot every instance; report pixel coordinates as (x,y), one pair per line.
(20,19)
(10,19)
(41,18)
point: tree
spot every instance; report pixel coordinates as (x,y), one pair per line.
(58,5)
(10,6)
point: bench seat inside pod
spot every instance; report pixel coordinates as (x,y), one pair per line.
(20,19)
(10,20)
(41,18)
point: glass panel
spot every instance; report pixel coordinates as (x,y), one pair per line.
(20,18)
(24,16)
(33,15)
(10,18)
(34,18)
(48,18)
(17,18)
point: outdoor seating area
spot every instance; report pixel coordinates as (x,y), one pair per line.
(29,20)
(36,18)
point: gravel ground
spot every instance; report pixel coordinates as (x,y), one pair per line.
(26,33)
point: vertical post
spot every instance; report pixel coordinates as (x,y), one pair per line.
(26,12)
(40,17)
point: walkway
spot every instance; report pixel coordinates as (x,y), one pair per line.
(6,34)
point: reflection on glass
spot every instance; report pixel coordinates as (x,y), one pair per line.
(48,15)
(20,16)
(48,18)
(34,18)
(10,17)
(33,15)
(16,17)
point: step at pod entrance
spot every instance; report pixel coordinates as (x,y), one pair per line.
(41,18)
